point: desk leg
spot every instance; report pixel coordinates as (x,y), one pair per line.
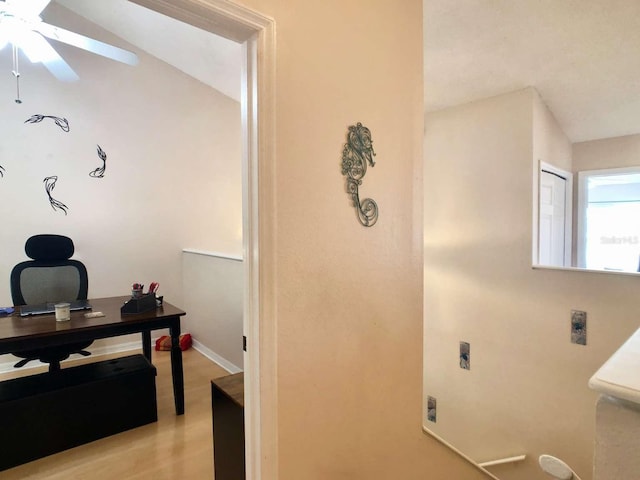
(176,366)
(146,344)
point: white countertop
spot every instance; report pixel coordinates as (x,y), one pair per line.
(620,375)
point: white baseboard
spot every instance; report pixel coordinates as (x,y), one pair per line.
(8,366)
(214,357)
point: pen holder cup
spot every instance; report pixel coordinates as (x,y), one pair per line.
(139,305)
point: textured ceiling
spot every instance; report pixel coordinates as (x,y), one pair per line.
(583,57)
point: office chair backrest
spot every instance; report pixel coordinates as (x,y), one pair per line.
(51,275)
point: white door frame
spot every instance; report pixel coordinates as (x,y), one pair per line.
(257,34)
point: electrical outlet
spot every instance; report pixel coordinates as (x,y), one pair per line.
(578,327)
(465,355)
(431,409)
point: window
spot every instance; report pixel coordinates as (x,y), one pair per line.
(609,219)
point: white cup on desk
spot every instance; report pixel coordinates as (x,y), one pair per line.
(63,311)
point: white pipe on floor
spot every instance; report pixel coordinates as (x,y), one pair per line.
(500,461)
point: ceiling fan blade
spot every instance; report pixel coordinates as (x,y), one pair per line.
(61,69)
(37,49)
(86,43)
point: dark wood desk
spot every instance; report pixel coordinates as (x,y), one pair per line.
(18,333)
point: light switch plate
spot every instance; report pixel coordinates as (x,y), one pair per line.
(578,327)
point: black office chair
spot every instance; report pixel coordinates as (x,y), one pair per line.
(51,276)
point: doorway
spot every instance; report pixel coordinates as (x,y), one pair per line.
(256,33)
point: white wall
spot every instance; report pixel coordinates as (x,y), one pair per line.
(214,294)
(617,439)
(527,388)
(173,176)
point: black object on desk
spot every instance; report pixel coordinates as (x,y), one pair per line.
(227,398)
(51,412)
(139,305)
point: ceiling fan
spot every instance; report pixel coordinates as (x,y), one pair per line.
(22,26)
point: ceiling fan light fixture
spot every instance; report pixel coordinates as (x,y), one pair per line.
(10,28)
(21,25)
(34,46)
(19,32)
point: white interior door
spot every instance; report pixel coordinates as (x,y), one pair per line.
(552,224)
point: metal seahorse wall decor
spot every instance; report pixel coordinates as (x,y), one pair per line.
(357,152)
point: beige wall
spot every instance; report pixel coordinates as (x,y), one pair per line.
(551,145)
(613,152)
(173,177)
(527,388)
(474,156)
(348,298)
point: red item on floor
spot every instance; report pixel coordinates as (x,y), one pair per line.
(164,342)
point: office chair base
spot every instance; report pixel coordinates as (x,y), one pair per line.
(53,356)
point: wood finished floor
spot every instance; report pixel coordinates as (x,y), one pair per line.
(175,447)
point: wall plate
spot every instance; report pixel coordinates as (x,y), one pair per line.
(431,408)
(578,327)
(465,355)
